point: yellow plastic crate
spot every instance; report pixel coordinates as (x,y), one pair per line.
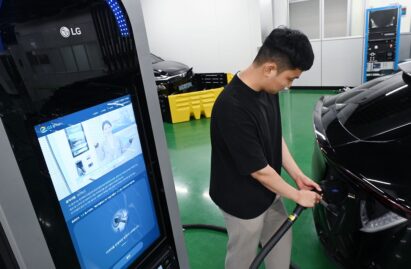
(193,104)
(183,106)
(229,77)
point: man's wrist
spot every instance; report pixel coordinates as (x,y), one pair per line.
(296,196)
(298,176)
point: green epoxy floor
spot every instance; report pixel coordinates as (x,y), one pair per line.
(189,149)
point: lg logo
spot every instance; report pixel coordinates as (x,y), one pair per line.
(66,32)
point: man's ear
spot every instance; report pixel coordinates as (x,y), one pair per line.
(270,69)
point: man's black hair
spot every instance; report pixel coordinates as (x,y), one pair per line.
(289,49)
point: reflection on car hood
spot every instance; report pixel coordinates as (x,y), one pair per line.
(366,133)
(375,111)
(170,67)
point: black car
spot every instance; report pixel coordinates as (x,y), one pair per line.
(362,159)
(171,77)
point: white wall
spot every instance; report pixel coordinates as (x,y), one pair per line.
(312,77)
(357,18)
(335,18)
(266,17)
(305,16)
(280,12)
(209,35)
(405,46)
(342,61)
(223,36)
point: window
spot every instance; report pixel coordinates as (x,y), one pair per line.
(304,15)
(343,18)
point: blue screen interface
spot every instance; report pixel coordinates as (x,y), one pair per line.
(96,164)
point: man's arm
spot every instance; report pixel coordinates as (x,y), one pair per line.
(270,179)
(302,181)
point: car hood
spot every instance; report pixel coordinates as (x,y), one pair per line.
(170,68)
(366,134)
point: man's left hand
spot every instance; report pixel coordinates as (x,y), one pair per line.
(305,183)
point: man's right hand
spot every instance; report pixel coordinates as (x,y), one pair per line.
(308,198)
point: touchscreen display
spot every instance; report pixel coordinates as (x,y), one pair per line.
(96,164)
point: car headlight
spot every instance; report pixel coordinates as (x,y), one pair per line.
(382,222)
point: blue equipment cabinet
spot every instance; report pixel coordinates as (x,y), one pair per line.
(382,39)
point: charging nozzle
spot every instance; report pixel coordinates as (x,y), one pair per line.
(330,207)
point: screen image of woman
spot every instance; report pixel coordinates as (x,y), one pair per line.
(111,147)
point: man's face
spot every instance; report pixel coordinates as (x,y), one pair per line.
(276,82)
(107,129)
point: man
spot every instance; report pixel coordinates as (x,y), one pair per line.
(248,151)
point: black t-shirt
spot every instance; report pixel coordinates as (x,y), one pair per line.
(245,137)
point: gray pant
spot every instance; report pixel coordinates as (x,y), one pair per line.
(244,236)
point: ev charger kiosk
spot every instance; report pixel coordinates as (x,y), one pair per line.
(85,177)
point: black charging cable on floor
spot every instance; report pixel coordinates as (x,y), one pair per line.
(275,238)
(204,227)
(261,254)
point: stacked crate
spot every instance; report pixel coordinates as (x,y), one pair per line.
(184,106)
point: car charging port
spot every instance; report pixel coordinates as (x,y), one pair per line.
(334,194)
